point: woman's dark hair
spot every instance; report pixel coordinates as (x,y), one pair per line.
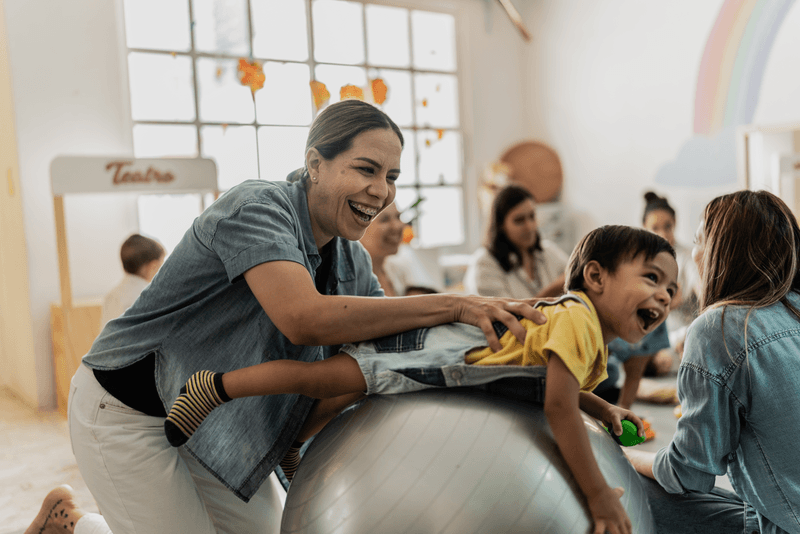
(610,246)
(654,202)
(497,243)
(334,129)
(137,251)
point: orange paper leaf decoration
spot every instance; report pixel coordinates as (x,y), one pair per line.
(351,91)
(320,93)
(439,133)
(379,90)
(251,75)
(408,234)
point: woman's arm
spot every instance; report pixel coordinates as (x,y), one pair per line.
(561,407)
(287,294)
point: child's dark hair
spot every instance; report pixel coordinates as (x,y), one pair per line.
(137,251)
(610,246)
(497,243)
(654,202)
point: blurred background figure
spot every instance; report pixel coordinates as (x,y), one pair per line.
(383,240)
(142,257)
(515,261)
(659,218)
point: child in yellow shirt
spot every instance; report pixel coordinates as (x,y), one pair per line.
(620,282)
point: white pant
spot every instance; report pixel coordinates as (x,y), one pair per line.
(144,485)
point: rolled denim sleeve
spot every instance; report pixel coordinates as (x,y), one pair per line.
(708,431)
(251,232)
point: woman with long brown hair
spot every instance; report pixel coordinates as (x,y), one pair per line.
(739,381)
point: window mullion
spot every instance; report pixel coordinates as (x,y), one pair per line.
(193,55)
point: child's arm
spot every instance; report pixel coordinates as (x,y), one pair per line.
(561,407)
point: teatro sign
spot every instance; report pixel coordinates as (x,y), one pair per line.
(98,174)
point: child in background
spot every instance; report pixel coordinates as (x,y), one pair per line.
(621,281)
(142,257)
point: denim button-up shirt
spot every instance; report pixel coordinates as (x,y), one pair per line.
(741,412)
(199,313)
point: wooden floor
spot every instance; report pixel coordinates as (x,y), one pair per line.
(35,456)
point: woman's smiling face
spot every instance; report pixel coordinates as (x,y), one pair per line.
(347,192)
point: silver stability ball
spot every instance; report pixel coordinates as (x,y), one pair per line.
(449,461)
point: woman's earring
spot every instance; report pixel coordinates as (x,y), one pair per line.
(313,178)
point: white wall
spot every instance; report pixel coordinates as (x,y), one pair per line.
(612,87)
(69,82)
(69,93)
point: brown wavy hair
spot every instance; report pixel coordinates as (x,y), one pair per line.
(752,251)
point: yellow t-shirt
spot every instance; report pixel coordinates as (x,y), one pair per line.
(572,331)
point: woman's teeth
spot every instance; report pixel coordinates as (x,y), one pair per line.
(365,213)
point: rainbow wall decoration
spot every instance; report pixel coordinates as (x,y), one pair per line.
(733,63)
(728,88)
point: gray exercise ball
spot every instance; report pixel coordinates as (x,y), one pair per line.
(449,461)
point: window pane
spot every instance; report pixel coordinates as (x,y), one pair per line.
(338,32)
(281,151)
(285,98)
(408,159)
(164,141)
(167,217)
(433,36)
(157,24)
(234,150)
(335,77)
(279,29)
(439,159)
(387,36)
(222,96)
(398,94)
(221,26)
(437,100)
(404,198)
(441,220)
(161,87)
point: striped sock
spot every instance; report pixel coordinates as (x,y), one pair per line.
(202,393)
(291,461)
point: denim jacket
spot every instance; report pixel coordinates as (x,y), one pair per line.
(199,313)
(741,412)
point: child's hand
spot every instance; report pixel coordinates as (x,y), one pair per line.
(608,515)
(613,416)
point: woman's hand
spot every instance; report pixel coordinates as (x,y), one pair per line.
(483,311)
(612,417)
(607,512)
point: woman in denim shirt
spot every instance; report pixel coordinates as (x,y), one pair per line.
(739,381)
(271,270)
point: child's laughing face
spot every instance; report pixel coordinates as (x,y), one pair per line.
(636,298)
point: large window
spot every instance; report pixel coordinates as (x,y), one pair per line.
(187,98)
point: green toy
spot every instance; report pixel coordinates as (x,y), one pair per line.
(630,434)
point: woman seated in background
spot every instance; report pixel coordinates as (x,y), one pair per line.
(382,240)
(516,261)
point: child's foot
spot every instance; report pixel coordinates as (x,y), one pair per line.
(59,513)
(202,393)
(654,392)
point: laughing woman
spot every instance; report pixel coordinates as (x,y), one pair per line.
(738,380)
(272,270)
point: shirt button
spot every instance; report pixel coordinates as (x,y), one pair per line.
(457,375)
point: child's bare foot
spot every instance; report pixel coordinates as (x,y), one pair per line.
(59,513)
